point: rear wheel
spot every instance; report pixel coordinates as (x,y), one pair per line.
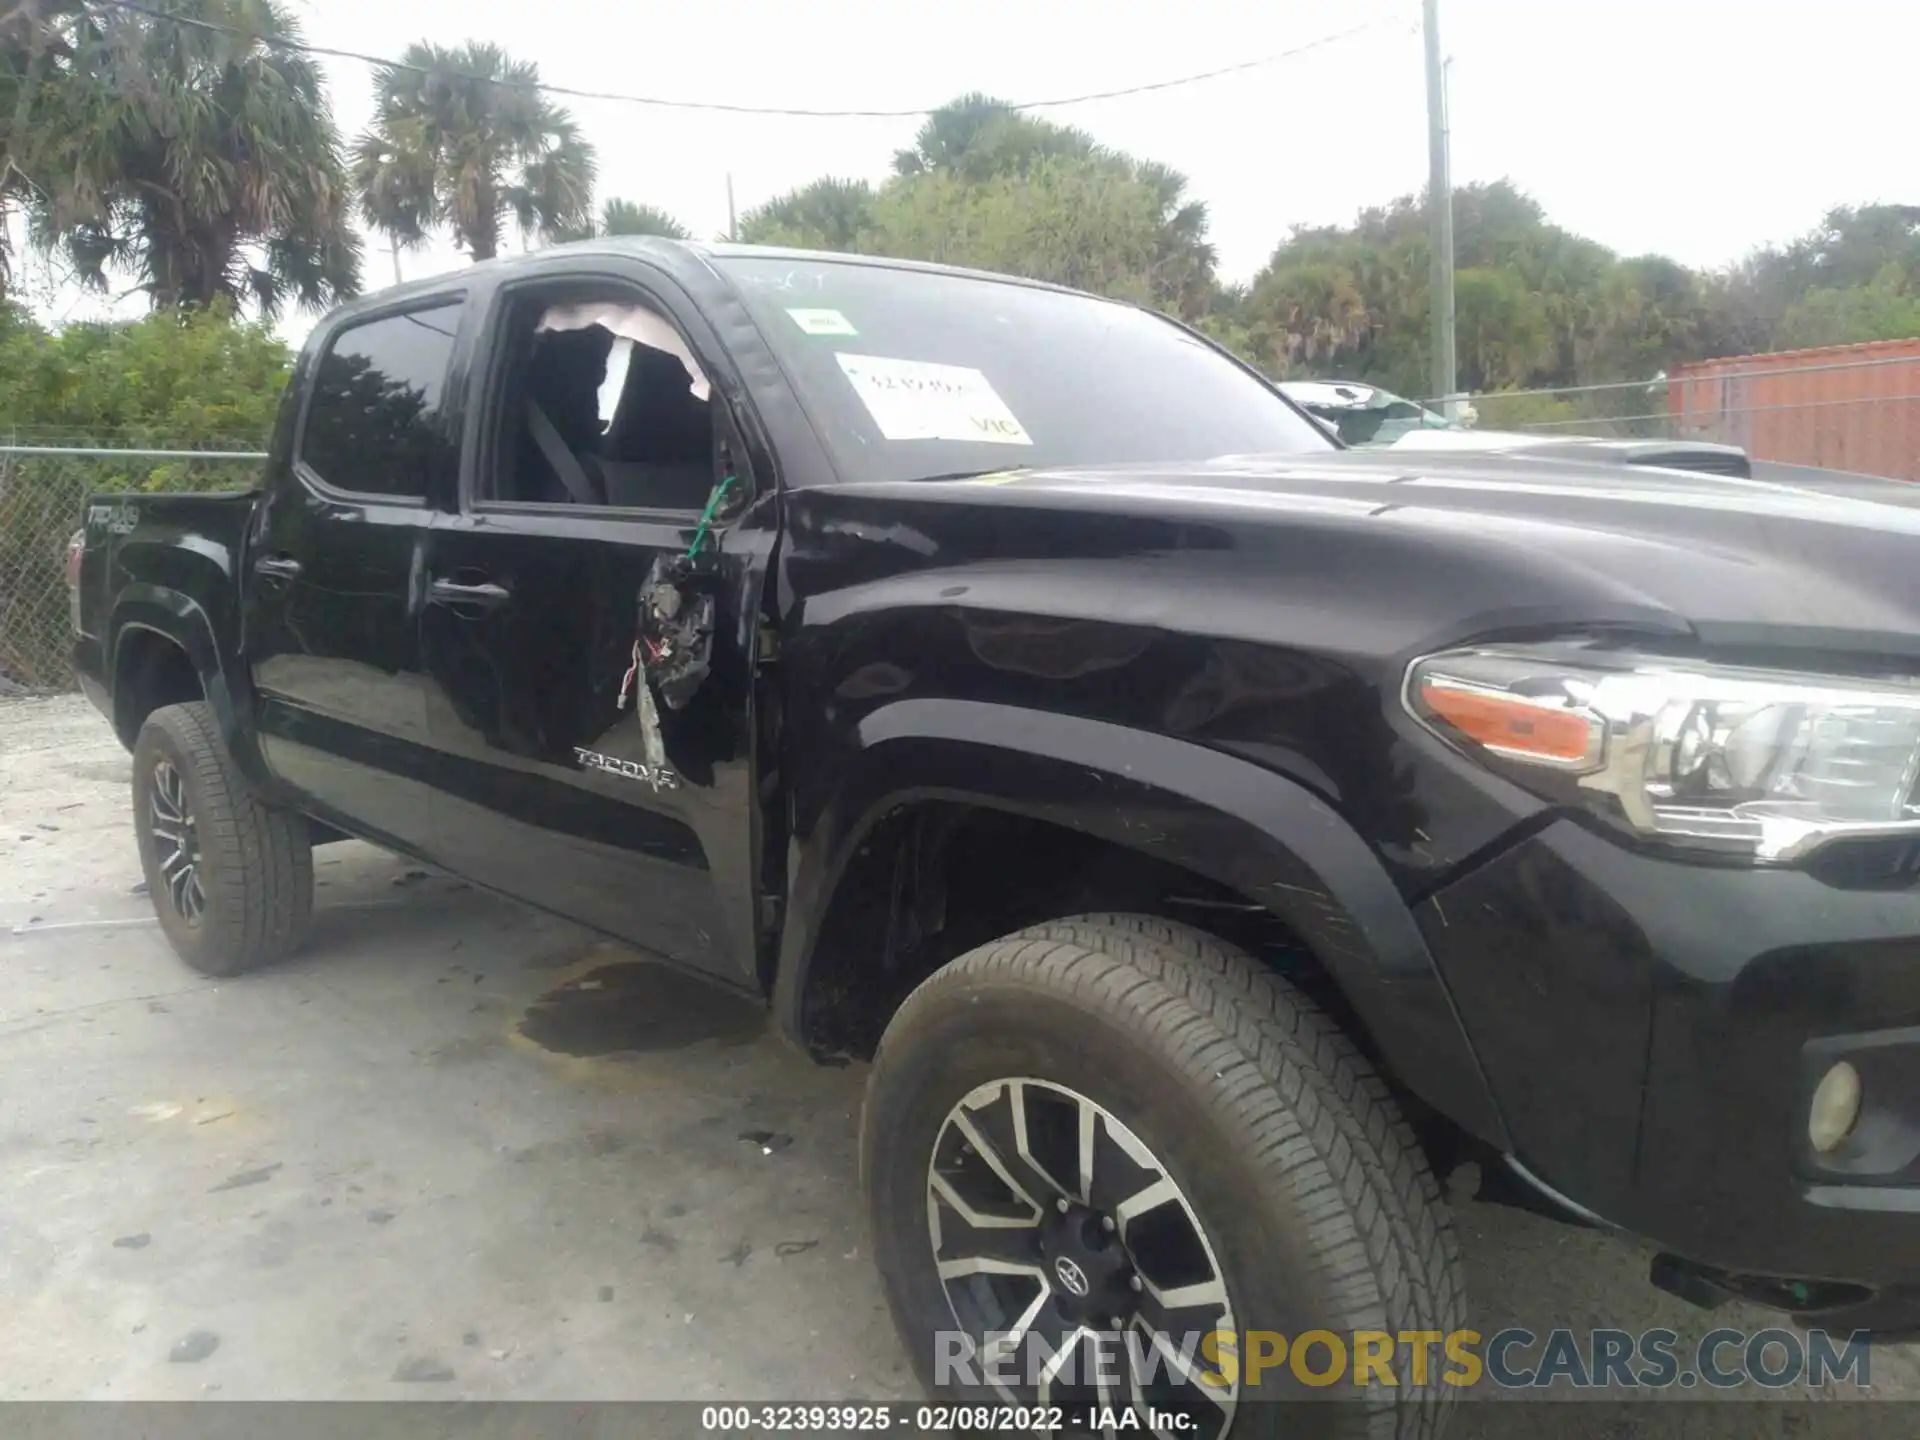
(231,878)
(1092,1145)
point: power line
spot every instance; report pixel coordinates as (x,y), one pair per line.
(299,47)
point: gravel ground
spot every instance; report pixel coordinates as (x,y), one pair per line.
(374,1172)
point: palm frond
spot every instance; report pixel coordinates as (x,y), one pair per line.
(624,217)
(469,145)
(176,153)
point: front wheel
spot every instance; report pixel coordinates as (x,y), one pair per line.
(1114,1164)
(231,878)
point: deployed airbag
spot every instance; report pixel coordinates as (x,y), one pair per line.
(633,322)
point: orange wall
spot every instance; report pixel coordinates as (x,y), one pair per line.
(1840,407)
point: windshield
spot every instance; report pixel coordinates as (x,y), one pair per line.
(909,374)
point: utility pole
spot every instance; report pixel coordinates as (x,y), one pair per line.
(1444,380)
(733,231)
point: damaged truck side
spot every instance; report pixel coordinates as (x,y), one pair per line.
(1209,834)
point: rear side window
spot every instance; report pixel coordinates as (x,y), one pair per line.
(374,425)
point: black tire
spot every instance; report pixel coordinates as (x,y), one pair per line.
(1286,1147)
(252,863)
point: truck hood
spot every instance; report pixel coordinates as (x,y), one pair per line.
(1704,455)
(1493,541)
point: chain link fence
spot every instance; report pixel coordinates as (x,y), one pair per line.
(1628,411)
(1853,408)
(45,479)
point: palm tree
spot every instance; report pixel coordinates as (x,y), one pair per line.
(462,137)
(1185,259)
(977,136)
(624,217)
(34,49)
(1310,314)
(949,132)
(203,160)
(829,214)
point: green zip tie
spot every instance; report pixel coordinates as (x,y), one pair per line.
(706,516)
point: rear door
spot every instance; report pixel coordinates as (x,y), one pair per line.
(565,778)
(335,568)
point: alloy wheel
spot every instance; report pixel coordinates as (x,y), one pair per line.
(1074,1261)
(176,842)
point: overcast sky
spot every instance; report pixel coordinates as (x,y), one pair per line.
(1697,128)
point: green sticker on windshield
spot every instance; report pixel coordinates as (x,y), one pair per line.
(823,322)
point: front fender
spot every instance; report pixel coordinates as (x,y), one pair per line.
(1255,832)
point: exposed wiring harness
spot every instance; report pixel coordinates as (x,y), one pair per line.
(706,516)
(661,604)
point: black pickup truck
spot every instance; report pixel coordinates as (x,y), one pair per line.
(1210,834)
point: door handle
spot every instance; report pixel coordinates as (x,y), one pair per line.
(276,567)
(486,596)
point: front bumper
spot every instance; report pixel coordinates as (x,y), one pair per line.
(1653,1031)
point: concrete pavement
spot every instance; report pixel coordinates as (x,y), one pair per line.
(457,1149)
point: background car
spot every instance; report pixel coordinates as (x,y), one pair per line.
(1365,415)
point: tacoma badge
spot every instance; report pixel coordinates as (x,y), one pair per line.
(658,776)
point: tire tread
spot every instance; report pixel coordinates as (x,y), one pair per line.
(1324,1128)
(262,858)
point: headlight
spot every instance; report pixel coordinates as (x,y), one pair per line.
(1764,764)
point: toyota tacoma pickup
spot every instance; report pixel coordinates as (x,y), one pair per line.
(1209,833)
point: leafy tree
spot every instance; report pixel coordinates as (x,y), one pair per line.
(1066,221)
(461,138)
(1071,220)
(978,139)
(986,185)
(203,161)
(1853,248)
(178,379)
(1535,304)
(1887,308)
(1638,318)
(1503,331)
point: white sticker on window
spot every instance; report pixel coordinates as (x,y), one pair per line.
(822,322)
(919,400)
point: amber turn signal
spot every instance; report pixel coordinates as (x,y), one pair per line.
(1513,725)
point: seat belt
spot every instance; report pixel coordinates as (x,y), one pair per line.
(566,465)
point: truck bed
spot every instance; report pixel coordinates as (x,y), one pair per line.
(133,543)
